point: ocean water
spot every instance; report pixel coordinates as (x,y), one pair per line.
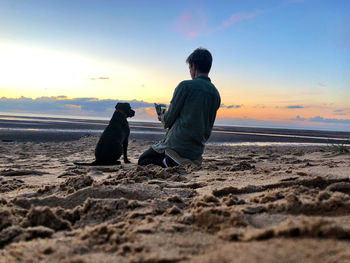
(268,144)
(85,131)
(224,135)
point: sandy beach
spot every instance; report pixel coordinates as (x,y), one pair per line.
(265,85)
(246,204)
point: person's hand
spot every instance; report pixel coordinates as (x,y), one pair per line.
(159,118)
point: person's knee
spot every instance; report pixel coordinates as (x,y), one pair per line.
(141,162)
(142,158)
(147,160)
(150,157)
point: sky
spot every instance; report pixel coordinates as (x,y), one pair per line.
(276,63)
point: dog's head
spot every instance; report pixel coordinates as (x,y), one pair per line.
(125,108)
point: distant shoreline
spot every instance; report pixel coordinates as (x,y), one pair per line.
(25,128)
(72,118)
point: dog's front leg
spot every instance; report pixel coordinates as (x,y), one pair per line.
(125,150)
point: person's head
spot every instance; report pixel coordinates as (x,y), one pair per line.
(199,62)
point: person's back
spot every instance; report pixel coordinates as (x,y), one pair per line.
(190,117)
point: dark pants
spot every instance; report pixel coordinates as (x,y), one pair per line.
(151,157)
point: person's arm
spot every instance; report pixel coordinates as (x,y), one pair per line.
(175,106)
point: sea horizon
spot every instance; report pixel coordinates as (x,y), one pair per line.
(37,127)
(32,115)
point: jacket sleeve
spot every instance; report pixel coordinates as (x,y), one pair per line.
(175,107)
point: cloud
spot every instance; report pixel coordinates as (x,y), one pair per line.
(295,107)
(93,107)
(320,119)
(236,18)
(259,106)
(249,122)
(298,118)
(99,78)
(231,106)
(324,120)
(339,112)
(335,124)
(234,106)
(191,23)
(61,105)
(321,84)
(72,106)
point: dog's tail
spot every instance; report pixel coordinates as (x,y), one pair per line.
(95,163)
(86,164)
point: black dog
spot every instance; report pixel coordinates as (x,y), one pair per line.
(114,139)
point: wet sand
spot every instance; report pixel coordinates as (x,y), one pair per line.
(246,204)
(39,129)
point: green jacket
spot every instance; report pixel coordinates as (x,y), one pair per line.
(190,118)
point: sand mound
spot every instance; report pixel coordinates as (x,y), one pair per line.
(207,213)
(73,171)
(110,239)
(10,185)
(6,218)
(44,216)
(325,203)
(242,166)
(277,250)
(16,234)
(143,174)
(343,187)
(303,227)
(233,190)
(135,191)
(75,183)
(11,172)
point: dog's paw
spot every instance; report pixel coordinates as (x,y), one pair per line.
(127,161)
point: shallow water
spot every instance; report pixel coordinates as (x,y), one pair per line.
(267,144)
(15,128)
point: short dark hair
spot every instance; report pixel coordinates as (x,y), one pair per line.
(201,58)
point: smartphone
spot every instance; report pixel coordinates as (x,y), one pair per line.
(160,108)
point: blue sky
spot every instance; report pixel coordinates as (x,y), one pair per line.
(277,59)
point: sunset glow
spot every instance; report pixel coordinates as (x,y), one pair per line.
(276,61)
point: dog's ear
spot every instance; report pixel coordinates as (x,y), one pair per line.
(127,106)
(117,106)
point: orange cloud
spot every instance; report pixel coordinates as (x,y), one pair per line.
(145,111)
(74,106)
(59,97)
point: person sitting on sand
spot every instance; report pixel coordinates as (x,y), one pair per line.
(189,119)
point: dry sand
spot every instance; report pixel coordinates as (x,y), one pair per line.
(246,204)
